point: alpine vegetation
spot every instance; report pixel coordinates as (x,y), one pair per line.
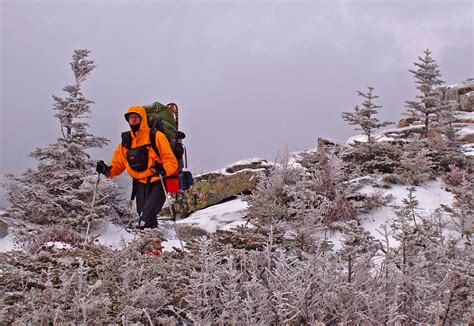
(365,118)
(255,276)
(427,105)
(61,188)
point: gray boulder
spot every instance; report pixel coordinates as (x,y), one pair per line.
(214,187)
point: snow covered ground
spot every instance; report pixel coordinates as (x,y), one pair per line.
(112,235)
(6,243)
(229,214)
(218,217)
(468,149)
(430,195)
(464,115)
(223,216)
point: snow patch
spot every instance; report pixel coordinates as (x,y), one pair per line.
(385,138)
(468,149)
(430,195)
(464,115)
(465,130)
(7,243)
(112,235)
(170,244)
(293,161)
(217,217)
(57,245)
(249,161)
(223,171)
(356,139)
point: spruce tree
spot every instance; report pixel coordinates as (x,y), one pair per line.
(420,258)
(364,116)
(61,188)
(358,250)
(427,76)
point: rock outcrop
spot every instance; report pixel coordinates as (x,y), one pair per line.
(462,93)
(211,188)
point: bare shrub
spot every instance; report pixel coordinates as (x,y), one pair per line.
(375,199)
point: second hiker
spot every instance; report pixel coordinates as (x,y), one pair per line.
(136,154)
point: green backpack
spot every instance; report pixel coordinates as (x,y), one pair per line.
(162,119)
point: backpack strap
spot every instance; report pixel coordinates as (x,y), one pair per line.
(127,139)
(176,115)
(153,141)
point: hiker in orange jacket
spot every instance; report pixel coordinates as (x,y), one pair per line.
(143,164)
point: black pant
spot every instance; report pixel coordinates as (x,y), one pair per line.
(150,199)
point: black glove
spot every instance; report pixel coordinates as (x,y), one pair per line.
(159,169)
(103,168)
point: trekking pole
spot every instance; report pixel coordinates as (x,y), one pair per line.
(92,207)
(173,215)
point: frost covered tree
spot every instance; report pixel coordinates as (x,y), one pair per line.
(269,201)
(427,76)
(461,211)
(61,188)
(424,264)
(454,289)
(364,116)
(406,231)
(358,249)
(416,165)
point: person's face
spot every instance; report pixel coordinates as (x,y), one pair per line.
(173,108)
(134,119)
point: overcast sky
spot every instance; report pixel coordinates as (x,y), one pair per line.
(249,77)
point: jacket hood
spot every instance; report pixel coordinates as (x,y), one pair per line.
(140,110)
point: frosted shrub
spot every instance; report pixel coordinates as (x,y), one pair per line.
(270,198)
(55,233)
(328,182)
(374,200)
(364,117)
(461,212)
(424,279)
(416,165)
(383,158)
(455,176)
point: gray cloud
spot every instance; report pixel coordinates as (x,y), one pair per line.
(249,77)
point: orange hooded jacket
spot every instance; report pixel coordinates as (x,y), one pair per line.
(142,137)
